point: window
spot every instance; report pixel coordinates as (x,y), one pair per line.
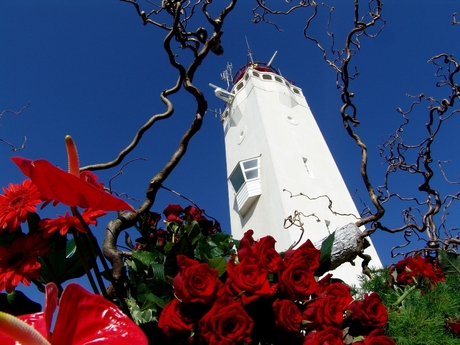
(245,180)
(244,171)
(267,77)
(307,166)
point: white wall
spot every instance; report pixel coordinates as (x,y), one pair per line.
(268,119)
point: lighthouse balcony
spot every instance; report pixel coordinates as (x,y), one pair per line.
(245,180)
(247,195)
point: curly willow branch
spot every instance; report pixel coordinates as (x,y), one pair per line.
(128,219)
(340,62)
(397,153)
(329,206)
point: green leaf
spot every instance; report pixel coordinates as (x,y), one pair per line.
(140,316)
(17,303)
(219,264)
(193,230)
(213,246)
(326,254)
(32,221)
(128,241)
(159,271)
(154,292)
(64,261)
(147,258)
(184,247)
(449,262)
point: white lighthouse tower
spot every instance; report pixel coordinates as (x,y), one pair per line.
(274,148)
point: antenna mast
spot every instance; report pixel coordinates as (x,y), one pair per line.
(271,60)
(249,50)
(227,75)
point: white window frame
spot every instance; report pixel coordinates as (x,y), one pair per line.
(245,181)
(245,169)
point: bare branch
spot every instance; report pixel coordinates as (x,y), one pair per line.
(24,139)
(14,112)
(200,45)
(319,197)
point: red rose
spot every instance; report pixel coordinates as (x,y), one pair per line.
(209,227)
(368,313)
(194,213)
(152,219)
(437,275)
(268,256)
(309,315)
(297,282)
(245,248)
(287,315)
(453,324)
(227,323)
(324,312)
(160,235)
(308,251)
(376,337)
(174,209)
(328,336)
(409,269)
(172,321)
(323,283)
(340,294)
(195,282)
(330,312)
(173,218)
(247,280)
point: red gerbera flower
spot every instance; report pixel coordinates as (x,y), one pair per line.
(64,223)
(19,199)
(19,261)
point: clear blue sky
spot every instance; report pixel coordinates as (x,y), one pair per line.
(92,70)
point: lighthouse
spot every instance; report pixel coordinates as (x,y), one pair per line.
(282,178)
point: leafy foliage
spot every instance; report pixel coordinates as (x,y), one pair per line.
(153,266)
(63,261)
(418,313)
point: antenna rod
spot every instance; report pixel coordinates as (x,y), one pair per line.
(249,50)
(271,60)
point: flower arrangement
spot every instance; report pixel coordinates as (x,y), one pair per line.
(187,282)
(217,294)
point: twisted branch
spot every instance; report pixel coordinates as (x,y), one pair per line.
(185,79)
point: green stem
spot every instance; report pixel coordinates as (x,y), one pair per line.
(404,296)
(85,264)
(97,273)
(124,306)
(50,269)
(94,244)
(39,285)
